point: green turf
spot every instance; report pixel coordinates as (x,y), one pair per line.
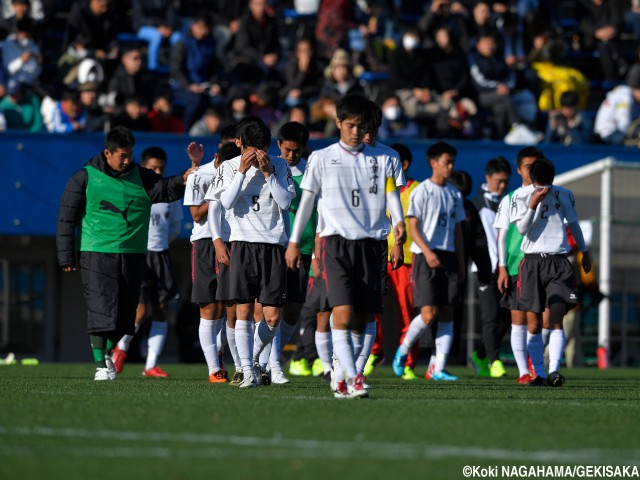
(56,422)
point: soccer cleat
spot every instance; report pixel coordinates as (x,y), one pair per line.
(266,378)
(497,369)
(317,368)
(237,378)
(538,382)
(119,358)
(532,370)
(443,375)
(409,374)
(523,379)
(431,369)
(356,388)
(340,391)
(257,374)
(218,377)
(155,372)
(248,381)
(555,379)
(278,378)
(481,365)
(299,368)
(111,368)
(398,363)
(372,362)
(102,374)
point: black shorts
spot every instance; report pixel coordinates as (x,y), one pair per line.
(223,291)
(317,295)
(258,272)
(159,285)
(111,283)
(545,281)
(509,298)
(203,274)
(297,281)
(435,287)
(355,272)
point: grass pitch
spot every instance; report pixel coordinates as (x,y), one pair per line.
(56,422)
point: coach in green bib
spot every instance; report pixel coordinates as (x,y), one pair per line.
(102,229)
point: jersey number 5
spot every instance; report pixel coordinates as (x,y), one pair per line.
(256,205)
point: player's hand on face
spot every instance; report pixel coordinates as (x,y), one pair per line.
(264,162)
(247,160)
(586,262)
(432,260)
(397,256)
(503,279)
(196,153)
(292,256)
(222,252)
(400,233)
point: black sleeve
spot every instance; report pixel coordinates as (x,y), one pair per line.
(480,248)
(72,206)
(178,55)
(160,189)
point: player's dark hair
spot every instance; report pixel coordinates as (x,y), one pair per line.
(438,149)
(295,132)
(119,137)
(228,151)
(498,165)
(376,117)
(403,151)
(255,134)
(153,152)
(354,105)
(527,152)
(229,133)
(542,172)
(462,181)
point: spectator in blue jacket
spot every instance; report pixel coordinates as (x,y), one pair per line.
(155,21)
(395,124)
(68,114)
(20,54)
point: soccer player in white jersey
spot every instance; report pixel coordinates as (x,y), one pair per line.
(435,212)
(546,276)
(257,191)
(203,264)
(217,219)
(159,286)
(351,179)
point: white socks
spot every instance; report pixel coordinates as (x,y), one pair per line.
(556,349)
(221,338)
(416,328)
(244,344)
(343,350)
(536,352)
(125,341)
(519,348)
(231,340)
(157,337)
(444,339)
(324,348)
(263,335)
(367,344)
(207,332)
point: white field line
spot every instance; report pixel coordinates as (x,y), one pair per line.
(214,446)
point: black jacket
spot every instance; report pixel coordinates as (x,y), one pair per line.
(72,204)
(409,69)
(101,31)
(475,243)
(255,40)
(154,13)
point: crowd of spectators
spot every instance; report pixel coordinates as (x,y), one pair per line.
(518,70)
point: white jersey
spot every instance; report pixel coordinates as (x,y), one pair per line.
(197,184)
(547,233)
(438,209)
(164,225)
(256,217)
(351,186)
(502,219)
(224,228)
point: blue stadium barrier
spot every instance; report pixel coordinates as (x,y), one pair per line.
(36,168)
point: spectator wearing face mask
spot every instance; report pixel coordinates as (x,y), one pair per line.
(395,124)
(20,54)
